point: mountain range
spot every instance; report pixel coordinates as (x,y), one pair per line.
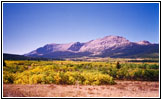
(108,46)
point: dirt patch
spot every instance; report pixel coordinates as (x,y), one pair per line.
(121,89)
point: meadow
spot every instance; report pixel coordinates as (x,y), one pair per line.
(77,72)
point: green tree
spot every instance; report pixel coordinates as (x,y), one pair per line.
(118,66)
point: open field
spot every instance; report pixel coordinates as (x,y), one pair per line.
(121,89)
(73,72)
(80,79)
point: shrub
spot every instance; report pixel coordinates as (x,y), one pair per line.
(8,77)
(69,72)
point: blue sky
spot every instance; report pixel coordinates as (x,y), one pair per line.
(27,26)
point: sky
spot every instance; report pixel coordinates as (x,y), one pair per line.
(27,26)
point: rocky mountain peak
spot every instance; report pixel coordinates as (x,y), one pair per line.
(143,42)
(113,38)
(104,43)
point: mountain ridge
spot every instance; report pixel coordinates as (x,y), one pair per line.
(108,46)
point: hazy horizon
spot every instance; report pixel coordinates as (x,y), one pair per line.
(27,26)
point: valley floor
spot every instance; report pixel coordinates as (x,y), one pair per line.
(121,89)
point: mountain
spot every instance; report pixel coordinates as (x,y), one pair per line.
(109,46)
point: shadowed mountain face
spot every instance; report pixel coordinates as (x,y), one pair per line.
(109,46)
(76,46)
